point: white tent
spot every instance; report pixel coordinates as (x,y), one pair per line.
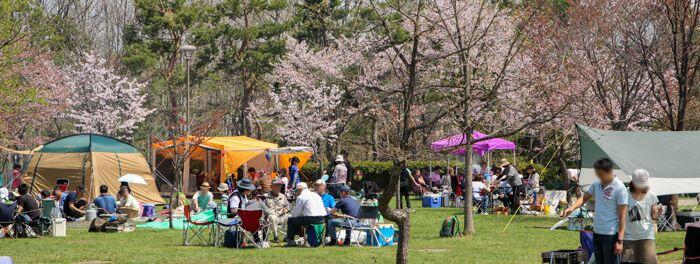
(671,157)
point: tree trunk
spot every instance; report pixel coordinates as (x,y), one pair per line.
(467,192)
(398,216)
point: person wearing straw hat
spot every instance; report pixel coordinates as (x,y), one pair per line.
(225,193)
(511,174)
(239,199)
(277,208)
(203,198)
(639,243)
(339,177)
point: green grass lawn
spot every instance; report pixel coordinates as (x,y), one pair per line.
(522,242)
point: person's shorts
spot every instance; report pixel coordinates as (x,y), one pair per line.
(639,251)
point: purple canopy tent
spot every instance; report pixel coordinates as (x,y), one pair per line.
(480,147)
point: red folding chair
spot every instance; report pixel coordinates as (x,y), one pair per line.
(200,233)
(253,222)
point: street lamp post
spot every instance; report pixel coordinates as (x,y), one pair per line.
(188,50)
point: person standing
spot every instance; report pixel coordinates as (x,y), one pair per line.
(294,178)
(16,176)
(611,199)
(639,243)
(339,177)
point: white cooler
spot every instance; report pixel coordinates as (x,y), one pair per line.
(58,227)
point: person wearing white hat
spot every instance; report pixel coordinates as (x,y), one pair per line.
(7,210)
(639,242)
(320,189)
(308,210)
(339,177)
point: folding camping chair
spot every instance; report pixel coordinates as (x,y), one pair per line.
(367,218)
(200,233)
(666,220)
(7,221)
(221,226)
(253,222)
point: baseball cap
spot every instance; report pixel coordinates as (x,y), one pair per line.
(640,178)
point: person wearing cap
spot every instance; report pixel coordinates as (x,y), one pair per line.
(277,208)
(346,210)
(339,177)
(510,173)
(328,200)
(308,210)
(239,199)
(203,199)
(639,243)
(611,199)
(74,204)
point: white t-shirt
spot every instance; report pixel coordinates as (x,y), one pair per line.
(639,223)
(131,203)
(309,204)
(607,199)
(477,186)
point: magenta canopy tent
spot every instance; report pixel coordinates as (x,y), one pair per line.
(480,147)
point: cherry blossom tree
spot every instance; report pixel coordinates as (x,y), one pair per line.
(103,101)
(32,96)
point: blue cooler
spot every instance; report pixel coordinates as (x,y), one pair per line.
(432,201)
(385,239)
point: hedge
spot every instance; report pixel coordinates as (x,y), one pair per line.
(379,171)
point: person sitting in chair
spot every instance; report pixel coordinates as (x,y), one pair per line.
(277,208)
(203,199)
(128,204)
(26,204)
(480,191)
(106,203)
(328,201)
(239,199)
(308,210)
(7,212)
(346,210)
(74,204)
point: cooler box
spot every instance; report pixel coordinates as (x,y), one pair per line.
(684,218)
(432,201)
(149,210)
(58,227)
(385,239)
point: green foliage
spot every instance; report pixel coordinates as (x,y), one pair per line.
(243,36)
(380,171)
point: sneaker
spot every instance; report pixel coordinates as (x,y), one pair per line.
(275,240)
(290,243)
(264,244)
(332,243)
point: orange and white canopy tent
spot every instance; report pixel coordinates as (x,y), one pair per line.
(235,151)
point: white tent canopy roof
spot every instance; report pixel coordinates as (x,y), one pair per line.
(671,157)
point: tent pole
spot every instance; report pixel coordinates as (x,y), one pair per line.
(34,173)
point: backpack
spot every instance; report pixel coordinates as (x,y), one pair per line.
(233,239)
(450,227)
